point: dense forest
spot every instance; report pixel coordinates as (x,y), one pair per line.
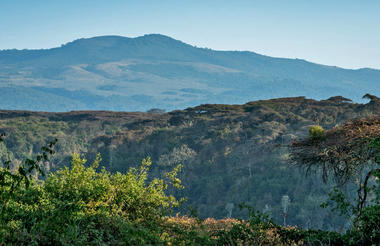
(230,154)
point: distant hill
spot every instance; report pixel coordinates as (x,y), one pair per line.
(156,71)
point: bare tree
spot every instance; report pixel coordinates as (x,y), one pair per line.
(345,153)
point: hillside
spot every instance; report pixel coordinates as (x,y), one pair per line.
(156,71)
(230,153)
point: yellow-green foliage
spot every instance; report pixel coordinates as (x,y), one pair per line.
(317,133)
(79,206)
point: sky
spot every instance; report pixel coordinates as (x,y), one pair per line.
(344,33)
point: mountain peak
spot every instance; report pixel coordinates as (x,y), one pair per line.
(114,40)
(159,39)
(156,36)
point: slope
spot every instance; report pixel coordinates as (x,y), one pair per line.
(136,74)
(230,153)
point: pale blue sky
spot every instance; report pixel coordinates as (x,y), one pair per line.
(345,33)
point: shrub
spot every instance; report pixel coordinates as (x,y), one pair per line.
(317,133)
(78,205)
(366,230)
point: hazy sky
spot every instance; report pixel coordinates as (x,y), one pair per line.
(345,33)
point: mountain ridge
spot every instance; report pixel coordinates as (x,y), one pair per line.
(157,36)
(157,71)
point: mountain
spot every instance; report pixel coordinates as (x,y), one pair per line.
(156,71)
(230,153)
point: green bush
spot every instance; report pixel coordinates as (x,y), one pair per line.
(366,230)
(317,133)
(78,205)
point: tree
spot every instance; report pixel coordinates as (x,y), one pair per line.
(10,180)
(345,153)
(348,153)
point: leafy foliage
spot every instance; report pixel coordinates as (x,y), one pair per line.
(81,205)
(78,205)
(316,133)
(239,152)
